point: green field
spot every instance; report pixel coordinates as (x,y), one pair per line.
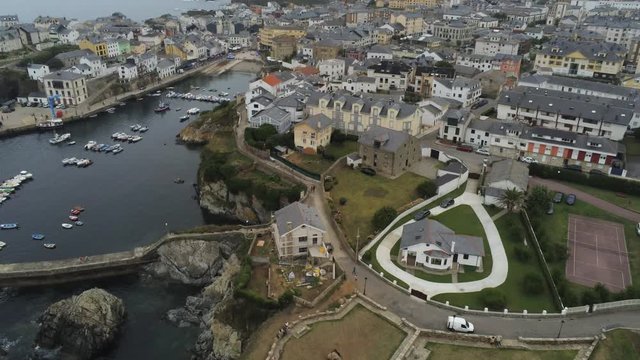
(318,164)
(623,200)
(632,145)
(517,300)
(619,344)
(448,351)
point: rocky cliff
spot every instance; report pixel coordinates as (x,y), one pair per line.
(216,199)
(82,326)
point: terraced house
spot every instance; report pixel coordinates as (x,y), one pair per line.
(598,60)
(355,114)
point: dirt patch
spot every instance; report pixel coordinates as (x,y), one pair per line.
(376,192)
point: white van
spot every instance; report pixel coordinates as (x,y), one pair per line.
(458,324)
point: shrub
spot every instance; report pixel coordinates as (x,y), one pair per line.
(532,284)
(522,254)
(383,217)
(493,299)
(343,201)
(366,257)
(603,293)
(427,189)
(589,297)
(285,299)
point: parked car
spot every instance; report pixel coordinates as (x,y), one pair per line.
(465,148)
(571,199)
(421,215)
(446,203)
(557,198)
(480,104)
(550,208)
(597,172)
(459,324)
(368,171)
(483,151)
(329,247)
(528,160)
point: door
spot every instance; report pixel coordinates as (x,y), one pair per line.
(455,258)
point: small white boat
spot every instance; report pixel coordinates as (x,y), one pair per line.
(224,94)
(90,145)
(59,138)
(117,150)
(71,143)
(135,138)
(49,245)
(67,225)
(193,111)
(184,118)
(2,245)
(111,110)
(143,129)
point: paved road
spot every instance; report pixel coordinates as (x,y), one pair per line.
(597,202)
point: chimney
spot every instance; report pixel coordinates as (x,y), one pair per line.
(289,226)
(453,246)
(319,125)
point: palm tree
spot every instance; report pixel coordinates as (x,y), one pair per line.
(512,199)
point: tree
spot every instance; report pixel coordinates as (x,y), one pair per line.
(443,64)
(383,217)
(55,64)
(493,299)
(427,189)
(512,199)
(537,201)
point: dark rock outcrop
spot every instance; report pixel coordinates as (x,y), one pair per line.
(83,326)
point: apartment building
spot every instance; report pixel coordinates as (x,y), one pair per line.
(268,33)
(298,229)
(496,43)
(579,86)
(391,75)
(466,91)
(70,87)
(455,30)
(598,60)
(387,151)
(424,76)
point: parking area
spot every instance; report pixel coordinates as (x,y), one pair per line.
(597,253)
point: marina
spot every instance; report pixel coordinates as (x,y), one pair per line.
(10,186)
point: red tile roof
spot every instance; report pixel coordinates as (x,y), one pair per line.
(272,80)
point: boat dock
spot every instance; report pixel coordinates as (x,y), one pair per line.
(98,266)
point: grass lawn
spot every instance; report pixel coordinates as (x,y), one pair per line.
(365,195)
(620,344)
(555,231)
(360,334)
(633,145)
(517,300)
(340,150)
(448,351)
(623,200)
(314,163)
(492,209)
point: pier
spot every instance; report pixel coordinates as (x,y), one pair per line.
(99,266)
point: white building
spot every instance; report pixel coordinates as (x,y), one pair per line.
(332,69)
(391,75)
(429,244)
(275,116)
(98,67)
(506,174)
(359,84)
(379,52)
(70,87)
(462,89)
(298,231)
(127,72)
(113,49)
(147,62)
(496,43)
(166,68)
(37,71)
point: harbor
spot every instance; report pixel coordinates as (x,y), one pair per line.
(132,196)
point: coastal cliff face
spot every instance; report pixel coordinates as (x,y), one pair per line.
(82,326)
(216,198)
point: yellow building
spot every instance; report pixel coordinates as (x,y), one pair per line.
(283,47)
(632,82)
(582,59)
(407,4)
(174,50)
(268,33)
(312,133)
(383,36)
(95,44)
(412,22)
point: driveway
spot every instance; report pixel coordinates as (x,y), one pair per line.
(498,272)
(586,197)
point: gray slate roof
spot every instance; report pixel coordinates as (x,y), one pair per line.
(610,51)
(385,102)
(567,138)
(432,232)
(63,75)
(297,214)
(389,140)
(574,83)
(455,167)
(317,122)
(509,169)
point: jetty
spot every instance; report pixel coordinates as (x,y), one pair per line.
(99,266)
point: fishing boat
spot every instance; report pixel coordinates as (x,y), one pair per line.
(135,127)
(8,226)
(49,245)
(59,138)
(184,118)
(193,111)
(2,245)
(69,161)
(111,110)
(84,163)
(79,223)
(224,94)
(90,145)
(37,236)
(135,138)
(67,225)
(75,212)
(118,150)
(73,218)
(143,129)
(49,124)
(162,107)
(71,143)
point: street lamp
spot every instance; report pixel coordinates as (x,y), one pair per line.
(560,330)
(166,228)
(365,286)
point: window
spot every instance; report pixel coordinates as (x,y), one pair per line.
(466,257)
(435,261)
(302,250)
(302,239)
(314,241)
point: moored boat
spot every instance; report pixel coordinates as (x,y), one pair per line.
(193,111)
(71,143)
(184,118)
(162,107)
(59,138)
(143,129)
(49,124)
(73,218)
(49,245)
(79,223)
(67,225)
(2,245)
(8,226)
(37,236)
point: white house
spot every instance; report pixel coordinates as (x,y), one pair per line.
(127,72)
(279,118)
(505,175)
(37,71)
(462,89)
(379,52)
(332,69)
(98,67)
(298,231)
(166,68)
(359,84)
(81,69)
(429,244)
(147,62)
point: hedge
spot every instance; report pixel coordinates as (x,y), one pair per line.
(628,187)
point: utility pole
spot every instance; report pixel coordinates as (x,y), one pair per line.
(357,243)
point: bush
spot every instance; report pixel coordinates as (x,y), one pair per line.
(603,293)
(338,137)
(343,201)
(493,299)
(532,284)
(522,254)
(628,187)
(589,297)
(383,217)
(427,189)
(366,257)
(285,299)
